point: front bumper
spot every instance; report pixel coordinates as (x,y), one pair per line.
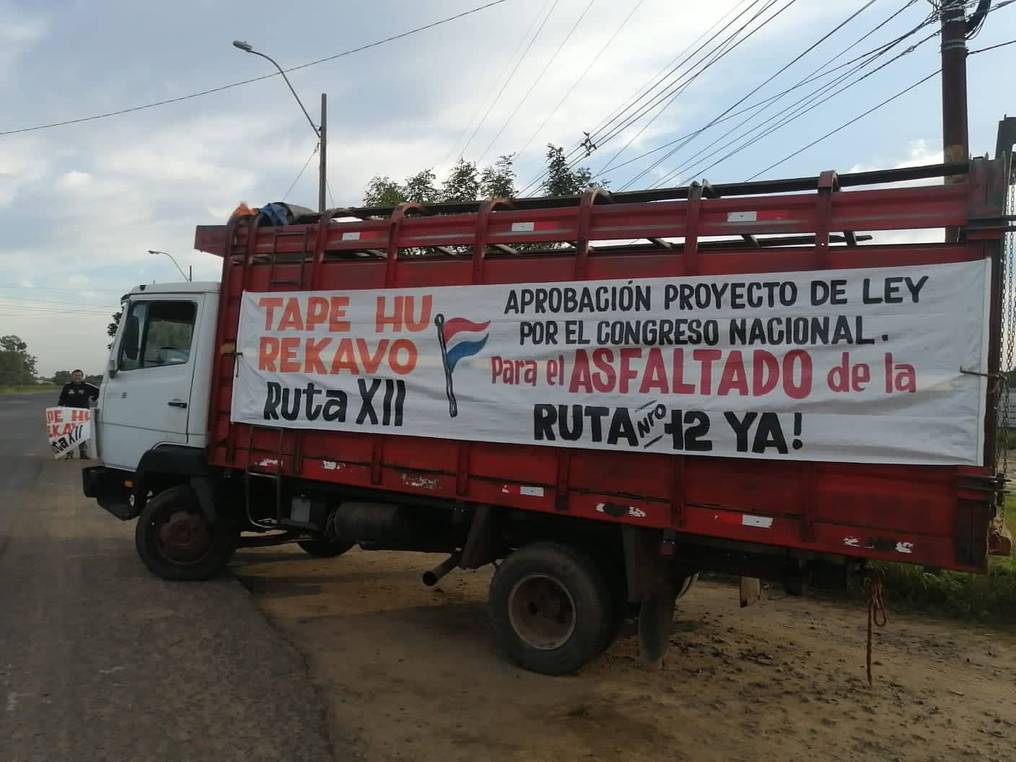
(112,489)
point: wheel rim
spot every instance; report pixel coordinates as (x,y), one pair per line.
(183,537)
(541,612)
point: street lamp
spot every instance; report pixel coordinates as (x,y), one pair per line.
(173,260)
(319,130)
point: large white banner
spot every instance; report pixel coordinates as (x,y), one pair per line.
(861,365)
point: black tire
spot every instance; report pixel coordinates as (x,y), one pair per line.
(175,542)
(551,608)
(325,548)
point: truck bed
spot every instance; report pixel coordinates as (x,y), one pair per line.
(933,515)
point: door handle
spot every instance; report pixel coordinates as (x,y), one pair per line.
(177,403)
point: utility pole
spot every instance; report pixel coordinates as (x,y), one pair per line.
(956,27)
(319,130)
(323,150)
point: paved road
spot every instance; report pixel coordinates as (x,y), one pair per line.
(100,660)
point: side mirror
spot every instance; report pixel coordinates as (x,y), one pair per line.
(130,338)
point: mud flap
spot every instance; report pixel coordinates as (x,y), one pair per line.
(656,619)
(651,584)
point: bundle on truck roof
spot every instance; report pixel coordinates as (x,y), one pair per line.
(608,393)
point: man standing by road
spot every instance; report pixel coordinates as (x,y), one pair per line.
(78,393)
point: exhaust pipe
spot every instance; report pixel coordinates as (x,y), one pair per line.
(431,578)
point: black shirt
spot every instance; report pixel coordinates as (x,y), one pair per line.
(78,394)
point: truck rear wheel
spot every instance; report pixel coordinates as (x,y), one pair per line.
(551,608)
(176,542)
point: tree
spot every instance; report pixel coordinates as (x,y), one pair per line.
(462,183)
(421,188)
(498,181)
(383,191)
(62,377)
(563,180)
(111,328)
(16,365)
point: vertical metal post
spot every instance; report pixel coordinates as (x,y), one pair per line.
(323,153)
(954,84)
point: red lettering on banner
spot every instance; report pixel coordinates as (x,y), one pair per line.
(399,365)
(337,313)
(603,378)
(291,320)
(345,359)
(765,372)
(269,305)
(290,362)
(313,362)
(707,357)
(268,353)
(734,377)
(655,377)
(371,362)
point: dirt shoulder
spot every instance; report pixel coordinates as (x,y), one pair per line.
(414,674)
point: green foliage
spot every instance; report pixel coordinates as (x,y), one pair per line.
(111,328)
(62,377)
(383,191)
(467,182)
(421,188)
(498,181)
(981,597)
(23,388)
(462,183)
(563,180)
(17,367)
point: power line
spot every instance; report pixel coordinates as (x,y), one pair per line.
(679,84)
(792,112)
(685,86)
(843,126)
(672,66)
(752,92)
(794,115)
(500,76)
(992,47)
(647,87)
(592,62)
(306,164)
(518,63)
(220,88)
(539,78)
(818,73)
(705,62)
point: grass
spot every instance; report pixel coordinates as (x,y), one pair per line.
(28,388)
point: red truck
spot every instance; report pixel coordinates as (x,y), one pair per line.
(602,395)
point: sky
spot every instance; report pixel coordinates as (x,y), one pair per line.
(81,205)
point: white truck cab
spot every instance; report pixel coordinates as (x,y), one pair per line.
(157,384)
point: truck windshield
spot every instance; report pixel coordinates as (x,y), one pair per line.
(157,334)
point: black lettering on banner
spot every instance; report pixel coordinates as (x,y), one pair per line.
(367,400)
(334,408)
(544,418)
(760,432)
(688,430)
(272,400)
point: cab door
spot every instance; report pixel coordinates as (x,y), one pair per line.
(147,392)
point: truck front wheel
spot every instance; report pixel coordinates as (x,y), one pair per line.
(176,542)
(551,608)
